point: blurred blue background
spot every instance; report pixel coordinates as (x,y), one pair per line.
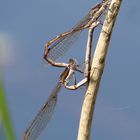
(25,26)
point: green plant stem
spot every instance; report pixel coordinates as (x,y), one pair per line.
(5,113)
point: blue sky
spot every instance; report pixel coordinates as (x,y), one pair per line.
(27,25)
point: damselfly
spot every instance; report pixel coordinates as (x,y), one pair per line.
(44,115)
(60,44)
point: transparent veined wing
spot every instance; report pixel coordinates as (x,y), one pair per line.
(43,117)
(62,45)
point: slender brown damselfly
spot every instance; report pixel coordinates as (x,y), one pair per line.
(44,115)
(60,44)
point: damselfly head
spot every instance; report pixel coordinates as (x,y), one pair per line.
(73,63)
(97,7)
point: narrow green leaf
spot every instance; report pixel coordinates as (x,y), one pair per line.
(6,120)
